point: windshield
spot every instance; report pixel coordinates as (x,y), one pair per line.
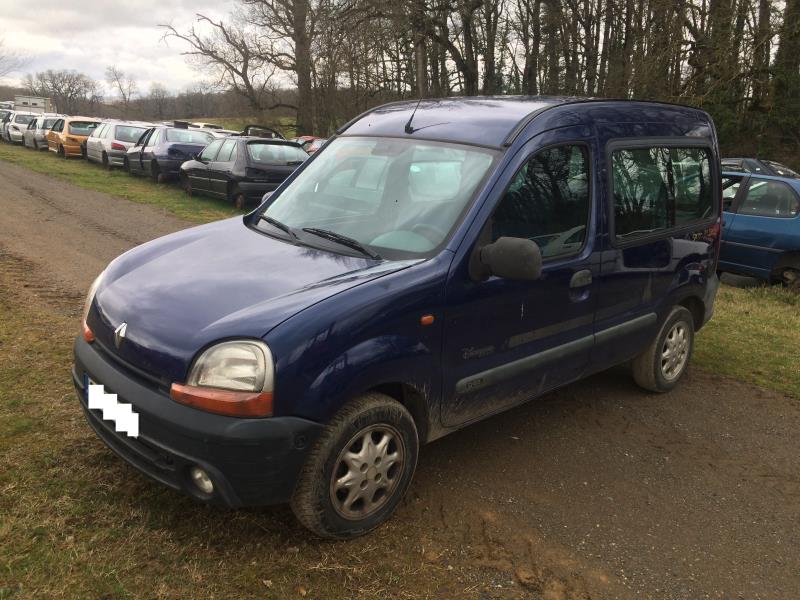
(189,136)
(82,127)
(401,198)
(275,154)
(126,133)
(782,170)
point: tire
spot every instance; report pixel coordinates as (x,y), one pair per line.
(156,174)
(61,152)
(126,166)
(239,199)
(322,506)
(106,163)
(653,369)
(186,184)
(35,145)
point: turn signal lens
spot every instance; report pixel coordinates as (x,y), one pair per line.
(88,334)
(224,402)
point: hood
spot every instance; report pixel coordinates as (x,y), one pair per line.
(185,291)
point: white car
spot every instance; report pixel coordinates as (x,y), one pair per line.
(15,125)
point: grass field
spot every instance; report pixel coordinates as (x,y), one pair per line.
(755,337)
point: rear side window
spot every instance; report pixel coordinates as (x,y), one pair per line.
(769,199)
(82,127)
(548,202)
(660,188)
(126,133)
(275,154)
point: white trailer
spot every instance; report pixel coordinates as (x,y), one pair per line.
(34,104)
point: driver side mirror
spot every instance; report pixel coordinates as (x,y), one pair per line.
(512,258)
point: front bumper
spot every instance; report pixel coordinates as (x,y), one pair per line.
(250,461)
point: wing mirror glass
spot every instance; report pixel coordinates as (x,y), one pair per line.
(512,258)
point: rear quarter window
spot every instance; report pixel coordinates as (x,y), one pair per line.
(660,188)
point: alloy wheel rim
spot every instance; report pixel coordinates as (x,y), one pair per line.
(675,351)
(367,472)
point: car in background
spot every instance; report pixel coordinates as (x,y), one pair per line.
(761,227)
(161,151)
(14,128)
(222,133)
(67,136)
(241,169)
(310,143)
(109,143)
(35,136)
(759,166)
(4,112)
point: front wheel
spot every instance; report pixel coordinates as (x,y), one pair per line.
(661,366)
(61,152)
(239,199)
(359,469)
(186,183)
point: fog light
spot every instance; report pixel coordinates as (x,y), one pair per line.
(201,480)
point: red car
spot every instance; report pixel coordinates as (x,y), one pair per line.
(310,143)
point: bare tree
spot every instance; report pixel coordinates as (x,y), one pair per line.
(10,61)
(124,85)
(72,91)
(235,55)
(158,97)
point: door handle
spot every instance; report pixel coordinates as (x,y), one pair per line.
(580,279)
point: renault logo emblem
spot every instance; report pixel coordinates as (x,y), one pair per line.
(119,334)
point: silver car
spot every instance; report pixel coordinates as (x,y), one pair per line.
(111,139)
(35,136)
(16,125)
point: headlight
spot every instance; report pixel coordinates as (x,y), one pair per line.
(231,378)
(243,366)
(87,305)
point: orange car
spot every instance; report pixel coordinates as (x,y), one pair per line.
(68,135)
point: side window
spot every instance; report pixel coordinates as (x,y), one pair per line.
(548,202)
(210,151)
(730,187)
(660,188)
(769,199)
(110,132)
(227,152)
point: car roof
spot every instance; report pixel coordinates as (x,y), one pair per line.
(256,138)
(793,181)
(497,120)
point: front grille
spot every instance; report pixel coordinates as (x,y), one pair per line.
(146,378)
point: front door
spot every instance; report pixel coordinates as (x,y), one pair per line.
(508,341)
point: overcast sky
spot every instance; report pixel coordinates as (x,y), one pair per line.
(89,35)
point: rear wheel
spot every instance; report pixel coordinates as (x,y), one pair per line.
(661,366)
(156,173)
(359,469)
(186,184)
(61,152)
(790,277)
(106,163)
(239,199)
(35,145)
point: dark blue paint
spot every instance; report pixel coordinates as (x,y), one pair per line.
(339,325)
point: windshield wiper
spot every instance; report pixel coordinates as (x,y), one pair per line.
(343,240)
(282,226)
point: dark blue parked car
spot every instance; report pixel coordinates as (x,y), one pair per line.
(761,227)
(431,266)
(162,150)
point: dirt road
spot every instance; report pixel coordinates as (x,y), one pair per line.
(595,491)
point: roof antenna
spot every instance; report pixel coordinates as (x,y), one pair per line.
(409,129)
